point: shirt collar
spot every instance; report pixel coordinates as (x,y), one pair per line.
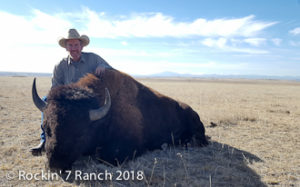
(82,58)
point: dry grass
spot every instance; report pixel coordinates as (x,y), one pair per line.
(253,125)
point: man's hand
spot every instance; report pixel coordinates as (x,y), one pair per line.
(99,70)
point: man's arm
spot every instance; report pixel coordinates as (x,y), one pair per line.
(101,65)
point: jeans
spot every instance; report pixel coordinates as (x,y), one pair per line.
(43,137)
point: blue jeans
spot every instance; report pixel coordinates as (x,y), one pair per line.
(43,137)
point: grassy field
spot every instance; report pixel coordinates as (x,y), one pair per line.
(253,127)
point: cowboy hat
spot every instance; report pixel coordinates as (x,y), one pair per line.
(73,34)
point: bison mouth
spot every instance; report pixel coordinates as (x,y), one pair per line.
(59,164)
(60,157)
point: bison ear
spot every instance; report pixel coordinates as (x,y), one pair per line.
(39,103)
(102,111)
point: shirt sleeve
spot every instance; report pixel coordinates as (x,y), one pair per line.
(101,62)
(57,78)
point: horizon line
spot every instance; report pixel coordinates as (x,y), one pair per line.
(170,74)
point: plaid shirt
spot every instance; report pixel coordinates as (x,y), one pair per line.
(67,71)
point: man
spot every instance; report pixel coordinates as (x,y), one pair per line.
(72,68)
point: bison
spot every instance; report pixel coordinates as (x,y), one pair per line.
(113,117)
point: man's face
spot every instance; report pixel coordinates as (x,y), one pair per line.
(74,48)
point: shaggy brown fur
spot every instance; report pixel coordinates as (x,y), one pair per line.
(139,119)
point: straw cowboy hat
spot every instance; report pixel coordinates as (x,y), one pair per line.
(73,34)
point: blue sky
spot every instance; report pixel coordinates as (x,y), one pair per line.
(145,37)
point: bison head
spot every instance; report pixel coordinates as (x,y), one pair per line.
(71,118)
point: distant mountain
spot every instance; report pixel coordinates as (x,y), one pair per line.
(168,74)
(24,74)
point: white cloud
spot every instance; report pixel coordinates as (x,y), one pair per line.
(40,28)
(255,41)
(30,59)
(220,43)
(124,43)
(160,25)
(276,41)
(224,45)
(295,43)
(295,31)
(247,50)
(30,41)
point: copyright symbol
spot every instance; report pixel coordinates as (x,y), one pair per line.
(10,175)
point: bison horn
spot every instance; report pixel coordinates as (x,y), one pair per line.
(39,103)
(102,111)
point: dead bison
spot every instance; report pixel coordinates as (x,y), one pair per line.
(114,117)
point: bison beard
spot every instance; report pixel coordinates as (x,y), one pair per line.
(138,119)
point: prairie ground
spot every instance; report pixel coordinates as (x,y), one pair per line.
(253,127)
